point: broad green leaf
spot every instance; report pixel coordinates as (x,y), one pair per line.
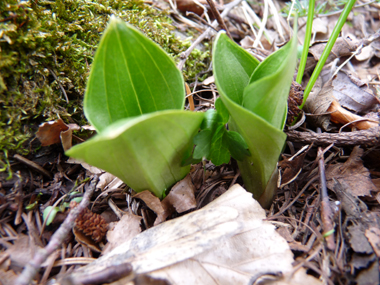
(267,92)
(236,145)
(146,151)
(234,66)
(262,132)
(219,153)
(130,76)
(202,143)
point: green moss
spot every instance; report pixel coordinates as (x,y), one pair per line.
(42,41)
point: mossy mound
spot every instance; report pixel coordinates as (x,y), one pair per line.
(46,49)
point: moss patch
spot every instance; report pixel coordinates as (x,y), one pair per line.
(48,46)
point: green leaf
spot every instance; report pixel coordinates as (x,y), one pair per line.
(52,215)
(219,153)
(236,145)
(130,76)
(222,110)
(146,152)
(260,129)
(267,92)
(202,143)
(234,65)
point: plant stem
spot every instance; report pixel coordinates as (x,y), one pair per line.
(326,52)
(306,44)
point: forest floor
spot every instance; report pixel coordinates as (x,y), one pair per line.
(327,206)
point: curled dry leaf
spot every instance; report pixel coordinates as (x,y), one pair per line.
(342,116)
(49,133)
(55,132)
(227,234)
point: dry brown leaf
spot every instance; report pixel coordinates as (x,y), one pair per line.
(180,198)
(151,201)
(351,94)
(127,228)
(86,240)
(318,103)
(342,116)
(373,236)
(49,133)
(7,277)
(343,47)
(227,234)
(353,173)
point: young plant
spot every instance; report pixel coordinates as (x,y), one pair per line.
(134,98)
(255,95)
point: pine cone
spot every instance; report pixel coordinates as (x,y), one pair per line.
(294,100)
(92,225)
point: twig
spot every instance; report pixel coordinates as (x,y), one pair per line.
(56,240)
(370,137)
(207,33)
(33,165)
(327,224)
(217,16)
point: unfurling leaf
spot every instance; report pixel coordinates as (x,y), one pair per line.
(255,96)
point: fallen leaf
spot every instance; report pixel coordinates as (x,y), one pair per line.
(373,236)
(358,241)
(151,201)
(226,242)
(86,240)
(318,103)
(353,173)
(125,230)
(351,96)
(49,133)
(342,47)
(7,277)
(342,116)
(180,198)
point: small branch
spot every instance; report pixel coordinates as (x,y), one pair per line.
(56,240)
(326,214)
(217,16)
(370,137)
(33,165)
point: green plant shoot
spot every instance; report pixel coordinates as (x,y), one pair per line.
(255,95)
(134,98)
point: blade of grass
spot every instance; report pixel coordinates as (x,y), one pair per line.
(338,27)
(306,44)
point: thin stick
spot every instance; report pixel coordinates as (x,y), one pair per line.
(217,16)
(56,240)
(326,213)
